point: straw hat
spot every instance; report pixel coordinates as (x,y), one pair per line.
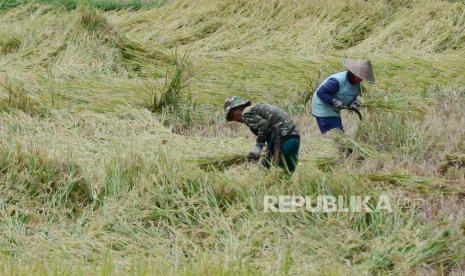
(360,68)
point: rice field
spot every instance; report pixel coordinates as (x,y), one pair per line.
(115,157)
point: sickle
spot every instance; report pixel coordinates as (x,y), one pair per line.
(356,111)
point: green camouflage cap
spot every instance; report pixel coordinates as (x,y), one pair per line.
(232,102)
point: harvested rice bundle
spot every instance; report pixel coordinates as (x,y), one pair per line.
(398,179)
(452,160)
(220,162)
(458,159)
(325,164)
(351,145)
(418,184)
(413,107)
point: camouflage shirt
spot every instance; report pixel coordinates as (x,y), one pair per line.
(262,119)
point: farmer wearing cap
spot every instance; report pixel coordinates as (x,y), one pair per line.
(272,126)
(340,91)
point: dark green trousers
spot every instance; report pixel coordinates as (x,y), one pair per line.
(289,154)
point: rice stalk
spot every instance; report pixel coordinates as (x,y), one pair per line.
(91,19)
(220,162)
(19,99)
(157,207)
(444,250)
(171,96)
(404,105)
(133,53)
(418,183)
(325,164)
(351,145)
(398,179)
(179,108)
(456,158)
(9,42)
(441,249)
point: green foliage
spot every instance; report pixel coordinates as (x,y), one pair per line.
(8,4)
(105,5)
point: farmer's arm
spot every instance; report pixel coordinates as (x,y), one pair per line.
(327,91)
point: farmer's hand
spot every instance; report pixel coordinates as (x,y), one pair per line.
(255,153)
(253,156)
(357,103)
(338,104)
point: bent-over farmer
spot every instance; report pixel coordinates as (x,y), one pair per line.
(273,128)
(340,91)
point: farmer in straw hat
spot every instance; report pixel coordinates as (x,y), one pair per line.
(340,91)
(272,126)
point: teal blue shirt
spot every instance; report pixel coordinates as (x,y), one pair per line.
(346,93)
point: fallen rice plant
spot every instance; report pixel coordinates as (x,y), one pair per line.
(175,217)
(9,42)
(325,164)
(398,179)
(446,247)
(409,106)
(350,144)
(132,52)
(220,162)
(19,99)
(418,183)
